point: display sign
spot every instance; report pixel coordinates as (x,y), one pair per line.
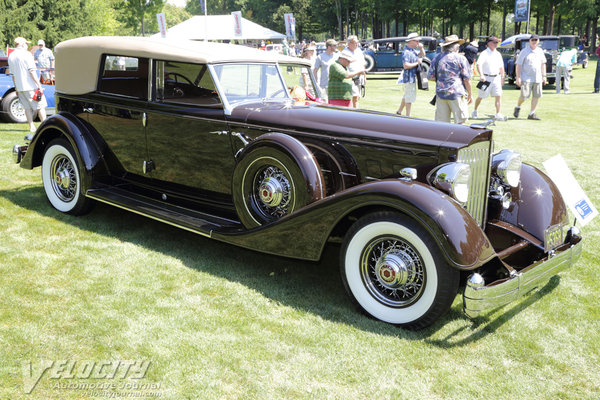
(162,24)
(237,23)
(521,10)
(290,26)
(574,196)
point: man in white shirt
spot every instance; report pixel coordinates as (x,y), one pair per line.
(491,70)
(44,59)
(356,54)
(324,60)
(23,70)
(531,75)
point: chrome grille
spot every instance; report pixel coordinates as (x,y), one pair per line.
(478,158)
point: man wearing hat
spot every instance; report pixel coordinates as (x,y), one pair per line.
(490,66)
(43,56)
(412,58)
(324,60)
(23,71)
(452,74)
(339,90)
(530,75)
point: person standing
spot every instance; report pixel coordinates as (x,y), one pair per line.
(44,59)
(324,60)
(490,67)
(357,65)
(471,51)
(597,78)
(412,57)
(530,75)
(564,67)
(339,89)
(452,74)
(23,70)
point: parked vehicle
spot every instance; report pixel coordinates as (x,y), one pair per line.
(205,137)
(511,48)
(10,105)
(572,41)
(385,55)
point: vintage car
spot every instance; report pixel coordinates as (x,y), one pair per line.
(510,51)
(10,105)
(385,55)
(206,137)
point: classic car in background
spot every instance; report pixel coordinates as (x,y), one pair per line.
(511,47)
(206,137)
(10,106)
(385,55)
(572,41)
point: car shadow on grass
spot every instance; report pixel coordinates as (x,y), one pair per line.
(314,287)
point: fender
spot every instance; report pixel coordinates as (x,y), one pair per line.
(462,241)
(73,129)
(537,204)
(298,152)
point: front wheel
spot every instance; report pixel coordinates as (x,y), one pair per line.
(369,63)
(62,179)
(394,271)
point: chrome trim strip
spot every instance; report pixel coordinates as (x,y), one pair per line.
(477,299)
(102,200)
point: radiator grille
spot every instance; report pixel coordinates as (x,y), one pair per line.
(478,158)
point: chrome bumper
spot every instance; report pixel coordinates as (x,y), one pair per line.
(479,298)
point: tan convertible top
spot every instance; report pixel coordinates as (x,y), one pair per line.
(78,60)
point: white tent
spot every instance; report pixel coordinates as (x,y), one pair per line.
(219,27)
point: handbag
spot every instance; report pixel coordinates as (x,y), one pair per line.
(422,83)
(433,100)
(400,80)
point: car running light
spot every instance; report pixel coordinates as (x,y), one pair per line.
(453,179)
(507,165)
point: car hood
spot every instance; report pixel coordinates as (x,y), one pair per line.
(352,124)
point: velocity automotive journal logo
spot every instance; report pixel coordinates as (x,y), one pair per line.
(98,375)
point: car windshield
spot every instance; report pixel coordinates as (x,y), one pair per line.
(549,44)
(243,82)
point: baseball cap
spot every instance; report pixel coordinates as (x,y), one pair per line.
(21,40)
(41,42)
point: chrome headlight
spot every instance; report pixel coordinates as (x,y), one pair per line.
(452,178)
(507,166)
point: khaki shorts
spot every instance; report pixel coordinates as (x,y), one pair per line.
(495,88)
(410,92)
(26,98)
(528,88)
(458,107)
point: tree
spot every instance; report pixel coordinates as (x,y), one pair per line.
(134,13)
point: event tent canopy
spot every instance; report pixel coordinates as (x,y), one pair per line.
(219,27)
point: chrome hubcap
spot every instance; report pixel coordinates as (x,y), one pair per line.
(17,110)
(393,271)
(271,192)
(64,180)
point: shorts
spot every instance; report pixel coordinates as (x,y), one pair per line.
(495,88)
(26,99)
(458,107)
(410,92)
(528,88)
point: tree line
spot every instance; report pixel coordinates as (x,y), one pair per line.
(58,20)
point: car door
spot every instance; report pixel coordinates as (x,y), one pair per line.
(116,111)
(188,138)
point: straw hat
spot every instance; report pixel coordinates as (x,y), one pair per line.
(450,40)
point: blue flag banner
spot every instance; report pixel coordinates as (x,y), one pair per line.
(203,6)
(521,10)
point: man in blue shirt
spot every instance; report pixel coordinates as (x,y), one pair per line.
(412,58)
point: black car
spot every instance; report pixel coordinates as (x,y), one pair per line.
(206,137)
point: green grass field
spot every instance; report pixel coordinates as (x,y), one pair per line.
(219,322)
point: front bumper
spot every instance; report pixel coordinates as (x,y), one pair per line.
(479,298)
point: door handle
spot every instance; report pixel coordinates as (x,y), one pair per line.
(144,119)
(89,110)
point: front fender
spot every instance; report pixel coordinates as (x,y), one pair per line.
(461,239)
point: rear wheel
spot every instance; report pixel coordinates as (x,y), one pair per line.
(369,63)
(62,179)
(12,109)
(394,271)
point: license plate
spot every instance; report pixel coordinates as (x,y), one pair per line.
(553,237)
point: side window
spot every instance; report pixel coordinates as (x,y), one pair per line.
(185,83)
(124,76)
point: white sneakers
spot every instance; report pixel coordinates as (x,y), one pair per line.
(500,117)
(474,114)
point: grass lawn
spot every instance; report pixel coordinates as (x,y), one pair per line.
(219,322)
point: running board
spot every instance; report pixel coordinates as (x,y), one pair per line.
(184,218)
